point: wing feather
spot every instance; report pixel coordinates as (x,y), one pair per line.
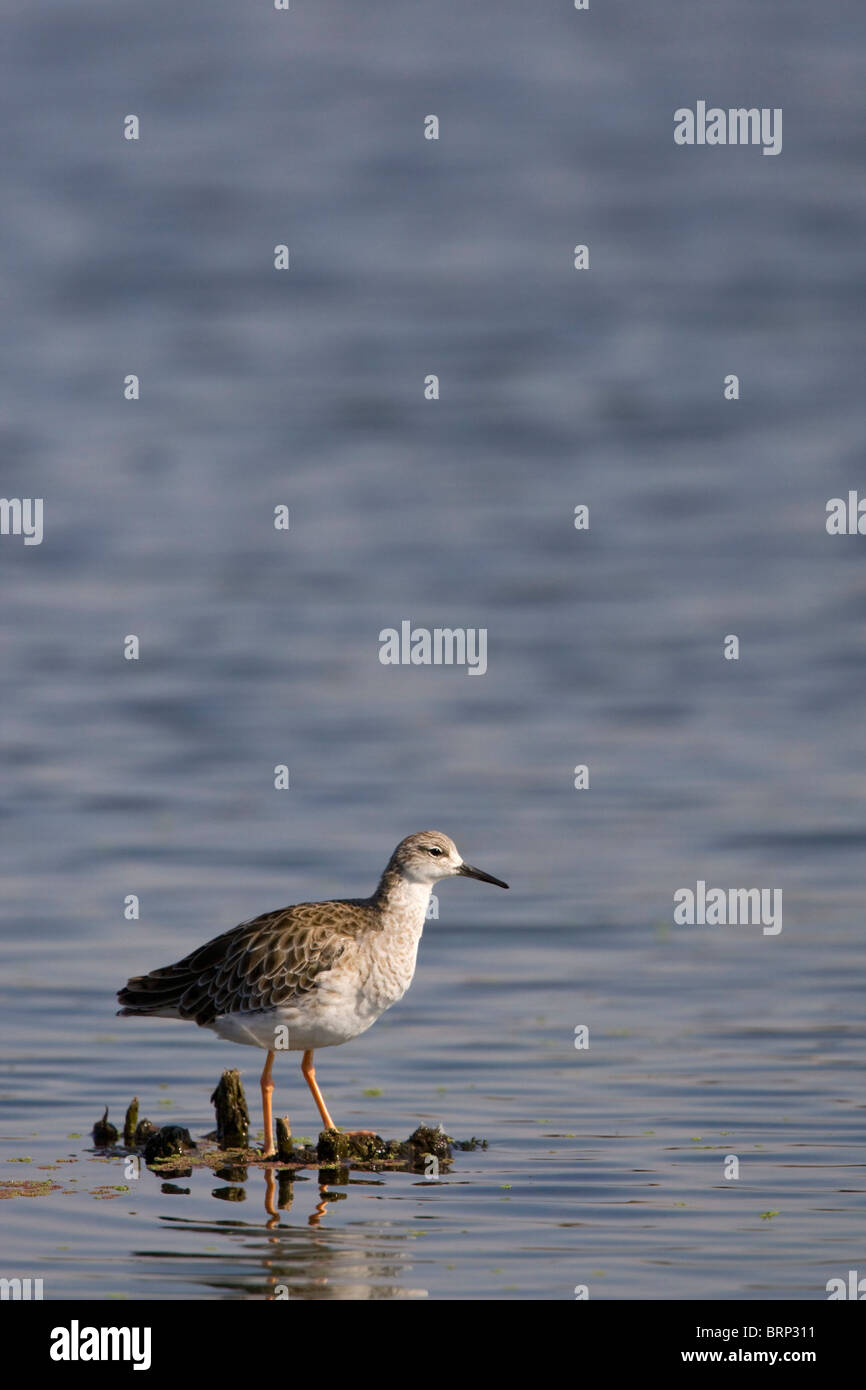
(272,960)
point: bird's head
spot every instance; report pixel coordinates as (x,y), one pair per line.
(429,855)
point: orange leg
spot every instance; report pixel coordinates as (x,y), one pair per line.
(267,1092)
(310,1077)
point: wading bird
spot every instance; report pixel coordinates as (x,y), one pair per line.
(308,976)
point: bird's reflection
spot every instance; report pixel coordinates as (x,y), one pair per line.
(299,1258)
(279,1193)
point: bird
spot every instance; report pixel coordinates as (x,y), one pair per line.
(312,975)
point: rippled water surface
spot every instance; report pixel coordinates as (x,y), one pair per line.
(605,1166)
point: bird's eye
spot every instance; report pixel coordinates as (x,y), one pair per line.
(433,850)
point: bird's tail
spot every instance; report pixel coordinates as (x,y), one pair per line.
(158,994)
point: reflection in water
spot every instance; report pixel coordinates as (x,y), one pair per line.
(282,1260)
(284,1179)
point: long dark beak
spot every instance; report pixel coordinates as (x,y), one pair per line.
(468,872)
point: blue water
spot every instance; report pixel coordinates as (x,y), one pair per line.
(605,1167)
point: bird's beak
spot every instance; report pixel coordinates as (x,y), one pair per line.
(469,872)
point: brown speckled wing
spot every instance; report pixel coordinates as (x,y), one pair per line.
(271,960)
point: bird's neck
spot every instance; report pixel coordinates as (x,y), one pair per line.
(402,899)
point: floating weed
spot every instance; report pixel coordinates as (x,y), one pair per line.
(768,1215)
(9,1187)
(372,1091)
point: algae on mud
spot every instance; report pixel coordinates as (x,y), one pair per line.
(171,1152)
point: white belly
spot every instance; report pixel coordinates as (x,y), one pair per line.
(345,1003)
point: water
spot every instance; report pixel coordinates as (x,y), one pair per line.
(605,1167)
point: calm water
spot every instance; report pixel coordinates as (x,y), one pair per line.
(605,1167)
